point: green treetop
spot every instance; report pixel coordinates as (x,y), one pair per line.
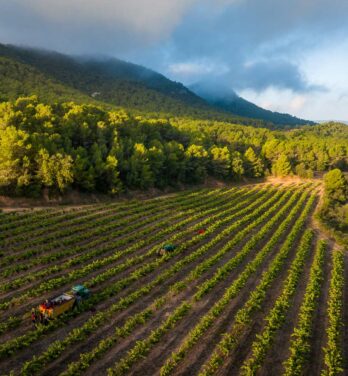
(282,166)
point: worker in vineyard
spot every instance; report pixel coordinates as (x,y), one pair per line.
(33,316)
(166,249)
(45,318)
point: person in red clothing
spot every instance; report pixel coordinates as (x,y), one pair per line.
(33,316)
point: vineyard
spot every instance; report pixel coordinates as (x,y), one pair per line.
(251,288)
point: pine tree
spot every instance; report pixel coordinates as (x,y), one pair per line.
(140,174)
(55,171)
(254,164)
(220,164)
(196,163)
(84,174)
(14,162)
(303,172)
(282,166)
(156,161)
(237,165)
(113,181)
(175,162)
(336,186)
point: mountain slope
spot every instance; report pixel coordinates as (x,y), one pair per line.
(109,81)
(18,79)
(227,100)
(112,81)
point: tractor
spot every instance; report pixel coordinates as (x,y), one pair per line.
(56,306)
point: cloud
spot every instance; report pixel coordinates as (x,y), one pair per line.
(90,26)
(275,36)
(273,73)
(144,16)
(313,106)
(258,75)
(192,70)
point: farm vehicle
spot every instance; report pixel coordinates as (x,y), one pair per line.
(56,306)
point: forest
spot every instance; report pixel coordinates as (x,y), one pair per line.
(64,146)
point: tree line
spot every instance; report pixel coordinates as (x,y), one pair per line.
(86,147)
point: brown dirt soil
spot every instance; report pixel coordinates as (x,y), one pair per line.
(73,323)
(171,340)
(85,219)
(124,273)
(204,349)
(96,272)
(106,331)
(320,322)
(70,237)
(76,199)
(84,243)
(279,352)
(125,292)
(236,358)
(160,352)
(81,217)
(290,180)
(87,223)
(345,318)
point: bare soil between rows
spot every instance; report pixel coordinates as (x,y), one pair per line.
(171,341)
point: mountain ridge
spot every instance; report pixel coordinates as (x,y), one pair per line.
(115,82)
(228,100)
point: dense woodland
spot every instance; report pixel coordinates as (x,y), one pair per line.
(334,211)
(83,146)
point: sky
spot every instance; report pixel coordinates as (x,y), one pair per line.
(284,55)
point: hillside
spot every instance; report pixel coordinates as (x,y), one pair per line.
(57,77)
(90,75)
(227,100)
(110,81)
(18,79)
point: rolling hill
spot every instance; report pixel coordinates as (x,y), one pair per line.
(54,76)
(58,77)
